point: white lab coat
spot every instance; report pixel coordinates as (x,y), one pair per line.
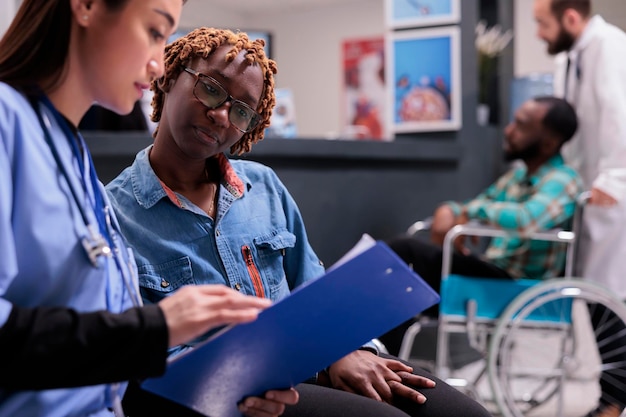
(596,87)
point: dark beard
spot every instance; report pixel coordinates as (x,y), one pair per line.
(524,154)
(563,42)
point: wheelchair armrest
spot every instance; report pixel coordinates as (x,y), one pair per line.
(483,230)
(419,226)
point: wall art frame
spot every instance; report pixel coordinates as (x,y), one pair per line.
(402,14)
(423,79)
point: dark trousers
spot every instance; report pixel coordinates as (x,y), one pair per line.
(425,259)
(320,401)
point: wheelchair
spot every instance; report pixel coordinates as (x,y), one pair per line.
(537,348)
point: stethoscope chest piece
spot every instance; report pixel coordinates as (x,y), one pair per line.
(95,246)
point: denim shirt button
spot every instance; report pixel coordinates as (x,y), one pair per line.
(217,233)
(238,286)
(164,284)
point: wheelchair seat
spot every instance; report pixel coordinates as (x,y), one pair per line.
(486,298)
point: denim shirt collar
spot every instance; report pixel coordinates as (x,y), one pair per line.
(148,190)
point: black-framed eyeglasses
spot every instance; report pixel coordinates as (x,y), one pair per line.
(211,93)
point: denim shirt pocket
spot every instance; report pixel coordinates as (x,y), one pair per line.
(158,281)
(270,249)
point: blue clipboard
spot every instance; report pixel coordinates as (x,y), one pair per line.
(319,323)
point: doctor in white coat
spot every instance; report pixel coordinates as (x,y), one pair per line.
(591,75)
(595,84)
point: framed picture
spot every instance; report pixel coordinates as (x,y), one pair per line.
(415,13)
(363,94)
(423,78)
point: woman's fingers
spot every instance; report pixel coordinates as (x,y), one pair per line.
(272,405)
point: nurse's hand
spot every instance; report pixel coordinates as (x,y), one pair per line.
(271,405)
(195,309)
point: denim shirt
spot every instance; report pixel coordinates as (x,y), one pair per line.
(257,244)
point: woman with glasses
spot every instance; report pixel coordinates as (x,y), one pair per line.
(72,324)
(194,216)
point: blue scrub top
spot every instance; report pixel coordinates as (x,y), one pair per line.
(43,262)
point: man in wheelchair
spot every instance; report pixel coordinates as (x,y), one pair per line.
(539,194)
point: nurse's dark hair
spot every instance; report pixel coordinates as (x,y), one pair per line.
(201,43)
(35,47)
(558,7)
(560,118)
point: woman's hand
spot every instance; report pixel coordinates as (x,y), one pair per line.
(271,405)
(362,372)
(195,309)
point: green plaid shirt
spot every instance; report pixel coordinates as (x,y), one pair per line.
(523,205)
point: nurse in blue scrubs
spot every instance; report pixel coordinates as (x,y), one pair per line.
(72,325)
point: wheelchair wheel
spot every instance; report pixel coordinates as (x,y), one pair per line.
(543,350)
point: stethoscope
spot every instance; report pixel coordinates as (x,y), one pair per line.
(101,241)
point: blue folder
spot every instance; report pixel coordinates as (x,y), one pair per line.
(319,323)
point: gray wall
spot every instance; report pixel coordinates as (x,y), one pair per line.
(343,188)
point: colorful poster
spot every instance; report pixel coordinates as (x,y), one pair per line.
(364,94)
(424,79)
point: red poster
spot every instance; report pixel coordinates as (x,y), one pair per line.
(364,97)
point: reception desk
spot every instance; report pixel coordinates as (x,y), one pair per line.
(347,188)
